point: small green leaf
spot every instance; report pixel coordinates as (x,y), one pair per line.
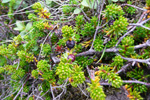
(122,0)
(22,33)
(35,48)
(84,3)
(48,1)
(90,3)
(77,11)
(20,26)
(114,0)
(17,4)
(5,1)
(28,26)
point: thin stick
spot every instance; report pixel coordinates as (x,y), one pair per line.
(45,40)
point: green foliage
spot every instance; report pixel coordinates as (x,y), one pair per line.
(17,39)
(133,94)
(141,33)
(8,52)
(12,5)
(1,70)
(90,4)
(23,55)
(117,62)
(127,41)
(113,11)
(45,86)
(79,20)
(84,61)
(31,98)
(111,43)
(139,88)
(73,2)
(129,9)
(96,90)
(79,23)
(12,70)
(110,1)
(71,71)
(54,39)
(18,74)
(32,17)
(146,53)
(5,1)
(3,60)
(20,26)
(147,3)
(68,33)
(35,34)
(127,46)
(46,49)
(43,66)
(138,74)
(94,21)
(25,89)
(67,9)
(49,76)
(78,48)
(31,54)
(118,27)
(43,69)
(64,70)
(105,73)
(34,73)
(98,44)
(38,25)
(9,68)
(37,6)
(88,29)
(77,77)
(136,95)
(115,80)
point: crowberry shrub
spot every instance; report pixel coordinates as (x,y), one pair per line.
(61,46)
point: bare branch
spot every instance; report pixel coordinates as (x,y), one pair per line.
(97,27)
(134,7)
(123,68)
